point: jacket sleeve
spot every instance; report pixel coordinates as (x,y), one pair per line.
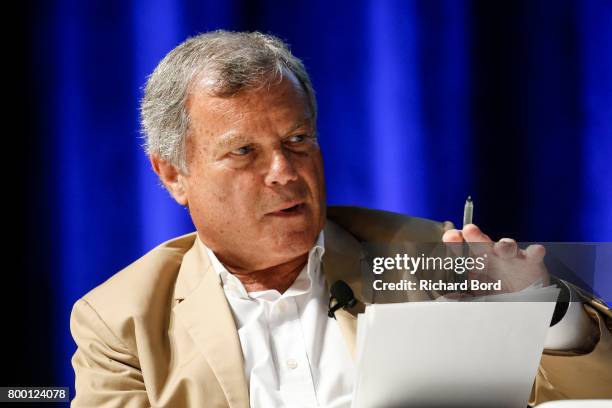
(107,374)
(579,374)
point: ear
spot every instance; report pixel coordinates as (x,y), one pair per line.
(171,177)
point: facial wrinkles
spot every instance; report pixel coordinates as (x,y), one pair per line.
(264,121)
(271,198)
(268,198)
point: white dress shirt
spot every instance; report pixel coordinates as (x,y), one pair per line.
(294,355)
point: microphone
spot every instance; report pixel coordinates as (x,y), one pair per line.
(343,294)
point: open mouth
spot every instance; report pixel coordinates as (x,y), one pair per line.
(293,210)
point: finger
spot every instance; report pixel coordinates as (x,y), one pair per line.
(455,239)
(472,233)
(506,248)
(535,253)
(452,235)
(478,241)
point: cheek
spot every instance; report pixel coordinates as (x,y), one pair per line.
(320,173)
(223,194)
(312,172)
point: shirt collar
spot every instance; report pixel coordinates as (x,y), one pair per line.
(302,284)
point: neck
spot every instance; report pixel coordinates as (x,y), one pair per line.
(279,277)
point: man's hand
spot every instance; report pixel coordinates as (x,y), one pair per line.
(516,268)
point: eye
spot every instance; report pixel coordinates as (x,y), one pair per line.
(242,151)
(300,143)
(297,138)
(302,140)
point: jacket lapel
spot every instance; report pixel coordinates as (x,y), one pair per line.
(345,260)
(205,313)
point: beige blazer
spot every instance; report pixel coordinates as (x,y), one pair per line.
(160,332)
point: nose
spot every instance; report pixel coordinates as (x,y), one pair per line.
(281,170)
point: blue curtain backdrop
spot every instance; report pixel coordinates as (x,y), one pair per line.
(421,103)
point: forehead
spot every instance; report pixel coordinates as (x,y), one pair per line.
(280,100)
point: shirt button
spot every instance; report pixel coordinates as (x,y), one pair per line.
(292,364)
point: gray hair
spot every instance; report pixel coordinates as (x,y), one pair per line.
(232,61)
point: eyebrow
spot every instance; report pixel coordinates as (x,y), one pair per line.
(306,120)
(231,139)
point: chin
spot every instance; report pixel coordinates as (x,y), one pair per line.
(295,243)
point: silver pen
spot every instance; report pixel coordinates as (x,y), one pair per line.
(468,211)
(468,216)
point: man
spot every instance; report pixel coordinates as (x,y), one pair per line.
(235,314)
